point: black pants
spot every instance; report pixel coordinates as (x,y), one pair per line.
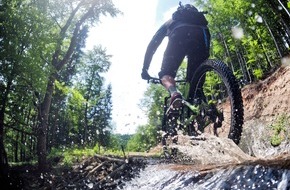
(190,41)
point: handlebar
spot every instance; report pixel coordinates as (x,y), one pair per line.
(155,80)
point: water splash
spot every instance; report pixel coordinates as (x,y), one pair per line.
(246,177)
(237,32)
(243,177)
(285,61)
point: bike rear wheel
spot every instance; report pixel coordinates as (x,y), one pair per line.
(215,89)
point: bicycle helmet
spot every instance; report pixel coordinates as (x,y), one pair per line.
(187,7)
(190,7)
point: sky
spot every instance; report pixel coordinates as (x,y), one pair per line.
(126,38)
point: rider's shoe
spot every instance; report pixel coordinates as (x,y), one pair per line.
(176,100)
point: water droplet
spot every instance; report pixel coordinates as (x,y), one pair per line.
(90,185)
(259,19)
(237,32)
(285,61)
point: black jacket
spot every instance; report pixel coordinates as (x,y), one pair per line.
(165,30)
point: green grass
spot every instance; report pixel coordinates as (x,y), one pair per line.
(69,156)
(280,130)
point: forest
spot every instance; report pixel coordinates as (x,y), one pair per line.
(53,95)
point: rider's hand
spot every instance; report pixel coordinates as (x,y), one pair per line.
(145,74)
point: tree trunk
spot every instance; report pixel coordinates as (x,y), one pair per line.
(22,148)
(53,133)
(227,51)
(32,147)
(3,155)
(243,66)
(86,124)
(269,64)
(273,38)
(43,124)
(16,147)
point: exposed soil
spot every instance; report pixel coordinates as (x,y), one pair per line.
(269,98)
(264,100)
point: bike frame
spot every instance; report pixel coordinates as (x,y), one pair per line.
(193,110)
(191,107)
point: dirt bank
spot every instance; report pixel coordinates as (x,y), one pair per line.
(267,99)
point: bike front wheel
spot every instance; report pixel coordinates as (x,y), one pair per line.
(216,91)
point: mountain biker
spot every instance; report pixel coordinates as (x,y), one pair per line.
(189,36)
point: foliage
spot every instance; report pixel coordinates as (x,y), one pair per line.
(247,35)
(258,73)
(117,141)
(87,105)
(71,31)
(154,99)
(71,155)
(44,77)
(212,86)
(280,129)
(144,139)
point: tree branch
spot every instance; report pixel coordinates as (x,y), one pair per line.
(75,37)
(20,130)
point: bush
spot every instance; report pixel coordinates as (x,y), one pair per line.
(70,155)
(280,129)
(144,139)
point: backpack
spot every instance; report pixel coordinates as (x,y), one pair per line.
(189,14)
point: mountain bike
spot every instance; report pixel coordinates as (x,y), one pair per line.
(212,103)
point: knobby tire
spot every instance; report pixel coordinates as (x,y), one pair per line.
(233,91)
